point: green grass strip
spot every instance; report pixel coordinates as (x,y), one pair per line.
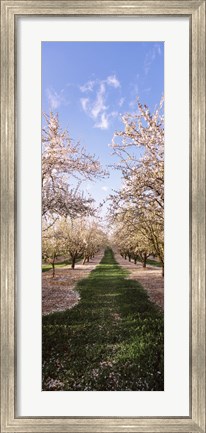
(65,263)
(113,340)
(154,263)
(151,262)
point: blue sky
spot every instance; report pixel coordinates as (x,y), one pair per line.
(91,84)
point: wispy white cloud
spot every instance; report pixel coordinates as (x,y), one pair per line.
(105,120)
(113,81)
(88,87)
(84,103)
(55,99)
(94,105)
(103,123)
(151,56)
(99,104)
(104,188)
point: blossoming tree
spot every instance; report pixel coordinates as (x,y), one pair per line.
(65,165)
(72,238)
(140,151)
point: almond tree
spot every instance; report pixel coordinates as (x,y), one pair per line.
(73,238)
(64,163)
(94,239)
(131,242)
(140,151)
(81,237)
(52,246)
(72,232)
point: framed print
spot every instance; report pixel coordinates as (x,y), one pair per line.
(102,164)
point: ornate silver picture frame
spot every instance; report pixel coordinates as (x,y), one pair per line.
(195,10)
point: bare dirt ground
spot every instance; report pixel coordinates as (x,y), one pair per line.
(150,278)
(58,293)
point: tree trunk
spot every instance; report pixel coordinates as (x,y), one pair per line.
(163,270)
(129,256)
(53,269)
(144,260)
(73,262)
(135,260)
(125,256)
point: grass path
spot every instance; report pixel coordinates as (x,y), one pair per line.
(112,340)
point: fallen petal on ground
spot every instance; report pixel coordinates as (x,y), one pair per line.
(58,293)
(150,278)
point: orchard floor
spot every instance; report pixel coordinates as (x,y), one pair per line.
(150,278)
(112,340)
(58,293)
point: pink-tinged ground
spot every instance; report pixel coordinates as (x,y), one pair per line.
(58,293)
(150,278)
